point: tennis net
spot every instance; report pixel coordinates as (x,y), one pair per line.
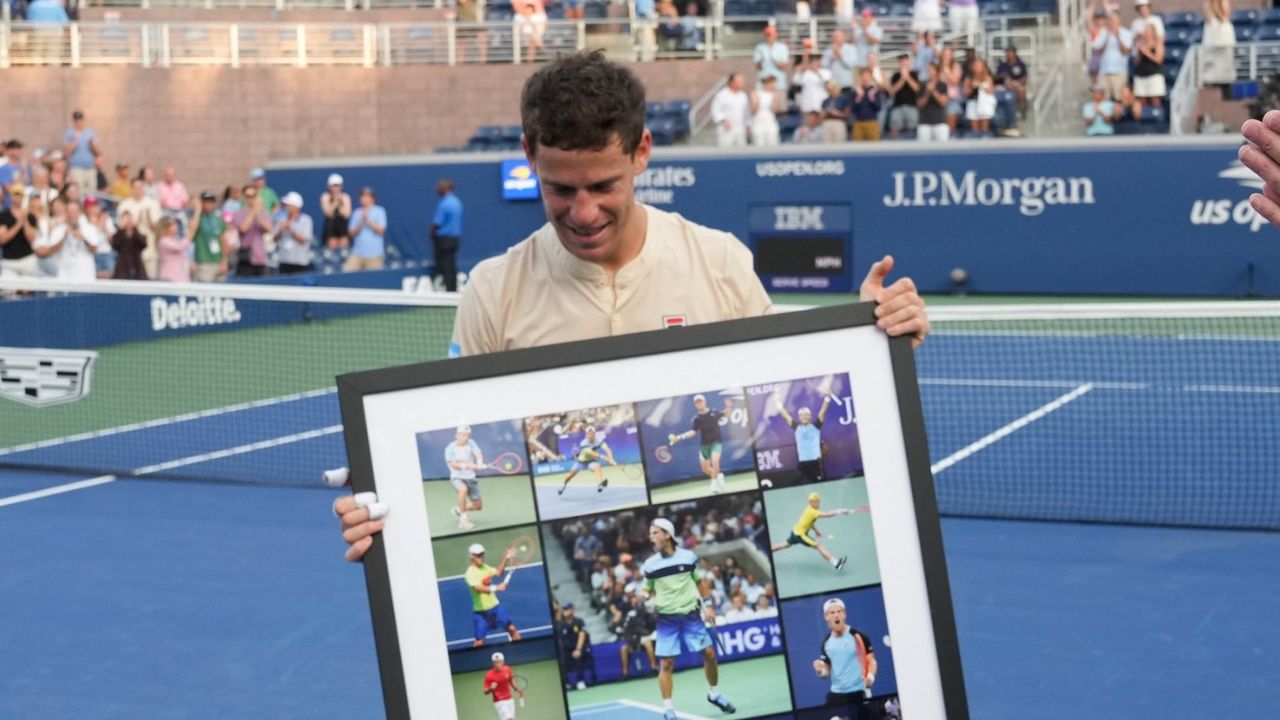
(227,382)
(1149,413)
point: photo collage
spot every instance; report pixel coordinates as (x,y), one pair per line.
(685,557)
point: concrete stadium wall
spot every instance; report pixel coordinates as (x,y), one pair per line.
(214,124)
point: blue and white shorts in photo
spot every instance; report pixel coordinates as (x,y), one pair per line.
(678,634)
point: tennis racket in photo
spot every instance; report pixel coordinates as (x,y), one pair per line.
(635,472)
(823,388)
(508,463)
(715,636)
(521,684)
(662,454)
(526,549)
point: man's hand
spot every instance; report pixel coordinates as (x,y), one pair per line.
(577,654)
(820,668)
(509,555)
(901,310)
(361,516)
(1263,158)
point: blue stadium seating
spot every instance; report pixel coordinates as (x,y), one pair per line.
(1271,16)
(1183,20)
(595,10)
(1268,32)
(1246,17)
(1245,33)
(764,8)
(498,14)
(900,9)
(1173,54)
(512,133)
(736,8)
(663,130)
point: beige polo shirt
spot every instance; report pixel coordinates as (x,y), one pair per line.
(539,294)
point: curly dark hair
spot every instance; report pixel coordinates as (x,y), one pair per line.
(580,102)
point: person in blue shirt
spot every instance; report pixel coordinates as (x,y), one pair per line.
(368,228)
(446,233)
(47,11)
(80,145)
(808,431)
(14,169)
(848,659)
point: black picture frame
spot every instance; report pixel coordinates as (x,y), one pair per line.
(355,388)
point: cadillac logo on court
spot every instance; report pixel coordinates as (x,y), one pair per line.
(41,377)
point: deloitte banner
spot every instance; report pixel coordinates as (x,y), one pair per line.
(1164,217)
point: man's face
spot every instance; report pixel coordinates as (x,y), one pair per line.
(1099,95)
(73,213)
(78,122)
(477,559)
(170,174)
(736,83)
(1113,21)
(837,37)
(700,404)
(366,200)
(260,182)
(442,188)
(14,154)
(589,196)
(805,416)
(904,64)
(864,77)
(658,537)
(835,617)
(499,663)
(770,35)
(207,205)
(1144,10)
(568,613)
(462,437)
(122,172)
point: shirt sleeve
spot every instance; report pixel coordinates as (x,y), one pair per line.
(474,332)
(379,217)
(439,217)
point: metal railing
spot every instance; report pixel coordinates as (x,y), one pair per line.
(1182,96)
(1048,99)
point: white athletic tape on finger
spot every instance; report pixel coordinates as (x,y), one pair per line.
(365,499)
(378,510)
(338,477)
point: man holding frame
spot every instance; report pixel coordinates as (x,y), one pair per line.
(612,265)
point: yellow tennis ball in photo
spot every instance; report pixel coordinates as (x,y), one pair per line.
(524,547)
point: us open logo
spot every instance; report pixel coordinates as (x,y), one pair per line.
(40,377)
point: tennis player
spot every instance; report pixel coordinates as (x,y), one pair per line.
(463,457)
(674,581)
(497,682)
(706,424)
(487,613)
(808,430)
(807,523)
(591,450)
(609,265)
(848,660)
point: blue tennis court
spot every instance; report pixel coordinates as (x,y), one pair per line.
(625,710)
(162,594)
(525,604)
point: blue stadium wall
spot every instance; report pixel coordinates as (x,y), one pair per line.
(1154,216)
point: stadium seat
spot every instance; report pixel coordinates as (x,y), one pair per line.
(1271,16)
(1183,20)
(512,133)
(420,33)
(499,14)
(736,8)
(595,10)
(899,9)
(1268,32)
(653,109)
(1245,17)
(1245,33)
(763,8)
(663,131)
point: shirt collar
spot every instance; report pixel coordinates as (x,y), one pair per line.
(629,274)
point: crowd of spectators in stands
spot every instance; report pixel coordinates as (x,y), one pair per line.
(841,92)
(63,218)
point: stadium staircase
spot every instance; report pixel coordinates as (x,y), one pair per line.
(558,566)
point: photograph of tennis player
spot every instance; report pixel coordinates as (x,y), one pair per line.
(678,607)
(697,445)
(588,462)
(475,477)
(822,537)
(840,656)
(804,431)
(492,589)
(509,684)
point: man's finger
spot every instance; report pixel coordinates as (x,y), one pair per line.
(1266,207)
(1271,193)
(356,552)
(905,287)
(363,530)
(875,278)
(1262,163)
(893,305)
(1272,120)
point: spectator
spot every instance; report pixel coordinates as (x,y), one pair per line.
(636,632)
(751,589)
(1114,42)
(14,169)
(531,23)
(104,258)
(172,194)
(80,145)
(294,235)
(737,612)
(71,193)
(446,234)
(843,10)
(208,233)
(175,266)
(933,107)
(765,104)
(128,244)
(812,80)
(231,202)
(839,60)
(252,223)
(1218,44)
(368,229)
(1128,110)
(926,51)
(904,86)
(19,231)
(953,74)
(148,176)
(575,9)
(1099,113)
(866,38)
(42,185)
(646,15)
(729,112)
(772,57)
(964,19)
(980,88)
(1012,73)
(1096,27)
(670,31)
(691,27)
(765,607)
(575,649)
(72,245)
(469,13)
(47,11)
(811,130)
(1148,71)
(586,548)
(146,213)
(926,17)
(54,221)
(867,101)
(836,112)
(122,186)
(270,200)
(1145,18)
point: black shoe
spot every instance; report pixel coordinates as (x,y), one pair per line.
(603,484)
(840,563)
(561,490)
(722,702)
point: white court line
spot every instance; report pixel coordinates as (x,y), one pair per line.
(1009,429)
(1251,389)
(657,710)
(982,382)
(500,635)
(181,462)
(160,422)
(56,490)
(460,577)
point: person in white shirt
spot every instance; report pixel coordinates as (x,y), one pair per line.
(73,244)
(1146,17)
(772,57)
(738,611)
(812,80)
(840,60)
(729,111)
(765,104)
(866,38)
